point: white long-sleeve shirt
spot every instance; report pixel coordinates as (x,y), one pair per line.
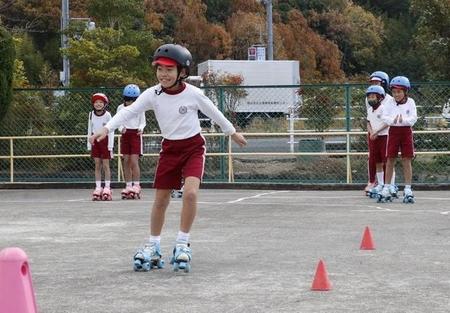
(177,114)
(374,117)
(407,110)
(135,122)
(95,123)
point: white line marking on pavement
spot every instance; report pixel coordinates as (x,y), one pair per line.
(445,213)
(256,196)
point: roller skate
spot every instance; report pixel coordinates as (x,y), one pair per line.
(126,193)
(97,194)
(368,188)
(375,191)
(106,194)
(385,195)
(393,189)
(148,257)
(182,256)
(135,192)
(176,194)
(408,196)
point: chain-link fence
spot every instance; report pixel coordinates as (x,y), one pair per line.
(296,134)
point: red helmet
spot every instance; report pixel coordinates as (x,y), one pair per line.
(100,96)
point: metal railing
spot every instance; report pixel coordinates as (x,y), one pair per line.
(227,153)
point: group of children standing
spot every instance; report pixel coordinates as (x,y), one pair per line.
(389,124)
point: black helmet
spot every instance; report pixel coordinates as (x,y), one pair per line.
(166,54)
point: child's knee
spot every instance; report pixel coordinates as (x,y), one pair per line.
(190,195)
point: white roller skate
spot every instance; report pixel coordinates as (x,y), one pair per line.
(176,194)
(135,192)
(182,256)
(127,193)
(97,194)
(393,189)
(368,188)
(375,191)
(408,196)
(148,257)
(106,194)
(385,195)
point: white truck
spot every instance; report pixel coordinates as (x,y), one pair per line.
(267,101)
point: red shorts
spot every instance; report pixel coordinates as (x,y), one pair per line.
(400,138)
(377,149)
(100,150)
(131,142)
(179,159)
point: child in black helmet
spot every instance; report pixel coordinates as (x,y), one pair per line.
(176,105)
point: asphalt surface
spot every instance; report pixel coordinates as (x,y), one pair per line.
(253,251)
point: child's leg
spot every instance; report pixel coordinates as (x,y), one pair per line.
(390,163)
(162,199)
(189,209)
(106,170)
(126,168)
(407,170)
(135,171)
(98,170)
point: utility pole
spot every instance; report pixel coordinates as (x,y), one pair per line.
(269,26)
(65,74)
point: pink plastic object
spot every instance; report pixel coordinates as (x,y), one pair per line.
(16,288)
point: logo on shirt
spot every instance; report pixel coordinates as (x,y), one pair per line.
(379,116)
(182,109)
(407,112)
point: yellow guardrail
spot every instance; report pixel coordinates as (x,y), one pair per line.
(229,153)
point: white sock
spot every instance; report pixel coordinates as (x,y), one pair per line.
(107,183)
(98,184)
(183,237)
(154,239)
(407,186)
(387,186)
(393,178)
(129,184)
(380,178)
(136,183)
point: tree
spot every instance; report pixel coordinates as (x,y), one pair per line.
(117,14)
(7,54)
(433,36)
(106,57)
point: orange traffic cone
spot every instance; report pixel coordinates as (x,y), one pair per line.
(321,281)
(16,289)
(367,241)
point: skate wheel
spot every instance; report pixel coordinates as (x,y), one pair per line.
(175,267)
(146,266)
(137,265)
(160,264)
(187,268)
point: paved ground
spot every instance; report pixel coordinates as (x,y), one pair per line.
(254,251)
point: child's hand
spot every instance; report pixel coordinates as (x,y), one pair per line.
(373,136)
(396,119)
(98,136)
(239,139)
(124,130)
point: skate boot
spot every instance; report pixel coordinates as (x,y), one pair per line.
(136,192)
(374,192)
(176,194)
(408,196)
(97,194)
(393,189)
(148,257)
(385,195)
(368,188)
(182,256)
(107,194)
(126,193)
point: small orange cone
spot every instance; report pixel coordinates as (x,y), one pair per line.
(367,241)
(321,281)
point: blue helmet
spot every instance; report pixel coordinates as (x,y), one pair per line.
(131,91)
(401,82)
(377,90)
(381,75)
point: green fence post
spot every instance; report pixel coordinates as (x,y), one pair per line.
(348,129)
(222,138)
